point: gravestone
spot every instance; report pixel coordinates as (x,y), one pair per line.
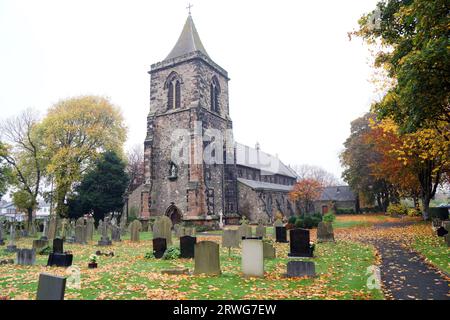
(80,231)
(245,231)
(187,247)
(60,259)
(300,269)
(277,223)
(115,233)
(64,228)
(100,227)
(206,258)
(44,235)
(260,231)
(58,246)
(52,228)
(26,257)
(90,229)
(252,258)
(159,247)
(300,244)
(39,244)
(71,232)
(230,238)
(269,250)
(11,247)
(441,231)
(162,228)
(2,240)
(51,287)
(123,224)
(281,234)
(325,232)
(135,228)
(104,240)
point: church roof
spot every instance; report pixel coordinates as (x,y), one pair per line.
(189,41)
(260,185)
(337,193)
(257,159)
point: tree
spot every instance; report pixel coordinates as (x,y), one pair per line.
(305,192)
(326,178)
(102,188)
(413,36)
(24,154)
(135,167)
(76,131)
(5,171)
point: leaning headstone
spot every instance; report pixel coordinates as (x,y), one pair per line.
(162,228)
(300,244)
(281,234)
(260,231)
(301,269)
(207,259)
(26,257)
(230,238)
(58,245)
(159,247)
(187,247)
(135,228)
(325,232)
(252,258)
(269,250)
(51,287)
(39,244)
(52,228)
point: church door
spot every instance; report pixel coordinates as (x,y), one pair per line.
(174,214)
(324,210)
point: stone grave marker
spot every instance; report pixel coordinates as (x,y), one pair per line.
(58,245)
(187,247)
(71,232)
(230,238)
(301,269)
(44,235)
(104,240)
(260,231)
(135,229)
(26,257)
(80,231)
(52,228)
(51,287)
(60,259)
(115,233)
(162,228)
(269,250)
(245,231)
(90,229)
(11,247)
(281,234)
(252,258)
(300,244)
(325,232)
(159,247)
(277,223)
(207,259)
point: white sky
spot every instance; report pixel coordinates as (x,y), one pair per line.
(296,79)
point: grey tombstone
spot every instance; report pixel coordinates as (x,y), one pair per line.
(269,251)
(187,247)
(123,224)
(325,232)
(100,227)
(26,257)
(104,240)
(58,246)
(135,229)
(230,238)
(159,247)
(115,233)
(260,231)
(44,235)
(245,231)
(162,228)
(71,232)
(90,229)
(252,258)
(12,238)
(301,269)
(52,228)
(51,287)
(80,233)
(64,228)
(207,260)
(39,244)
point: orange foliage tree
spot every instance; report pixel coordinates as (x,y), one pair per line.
(305,192)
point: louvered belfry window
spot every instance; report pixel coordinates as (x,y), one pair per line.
(177,95)
(170,96)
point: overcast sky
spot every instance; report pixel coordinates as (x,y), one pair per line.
(296,79)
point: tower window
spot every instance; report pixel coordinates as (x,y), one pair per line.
(215,93)
(173,86)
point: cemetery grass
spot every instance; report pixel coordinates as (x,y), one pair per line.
(341,270)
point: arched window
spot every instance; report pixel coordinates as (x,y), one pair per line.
(215,94)
(173,86)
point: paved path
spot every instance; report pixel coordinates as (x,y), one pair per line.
(405,275)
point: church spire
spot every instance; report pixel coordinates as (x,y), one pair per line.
(189,41)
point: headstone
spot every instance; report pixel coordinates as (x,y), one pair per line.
(207,259)
(245,231)
(12,238)
(277,223)
(52,228)
(187,247)
(441,231)
(39,244)
(100,227)
(269,250)
(221,220)
(300,244)
(104,241)
(58,245)
(26,257)
(71,232)
(123,224)
(162,228)
(135,228)
(231,238)
(115,233)
(301,269)
(44,235)
(90,229)
(64,228)
(260,231)
(325,232)
(2,240)
(51,287)
(159,247)
(281,234)
(60,259)
(252,258)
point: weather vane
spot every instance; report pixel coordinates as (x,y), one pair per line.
(189,8)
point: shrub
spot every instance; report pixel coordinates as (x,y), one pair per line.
(149,255)
(397,209)
(412,212)
(132,214)
(299,223)
(292,219)
(329,217)
(439,212)
(45,251)
(345,211)
(203,228)
(171,253)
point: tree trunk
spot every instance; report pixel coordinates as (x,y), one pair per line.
(426,206)
(30,219)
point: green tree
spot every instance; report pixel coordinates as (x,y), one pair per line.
(102,188)
(76,131)
(5,171)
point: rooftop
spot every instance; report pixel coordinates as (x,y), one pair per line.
(259,185)
(337,193)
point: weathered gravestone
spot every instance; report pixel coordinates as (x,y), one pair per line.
(26,257)
(80,231)
(268,250)
(260,231)
(252,258)
(245,231)
(58,245)
(104,240)
(300,244)
(44,235)
(162,228)
(100,227)
(115,233)
(11,247)
(231,238)
(325,232)
(159,247)
(39,244)
(181,231)
(90,229)
(187,247)
(51,287)
(64,228)
(123,224)
(52,228)
(281,234)
(71,232)
(301,269)
(441,231)
(207,259)
(135,228)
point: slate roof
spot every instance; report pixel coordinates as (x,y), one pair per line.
(259,185)
(269,165)
(337,193)
(189,41)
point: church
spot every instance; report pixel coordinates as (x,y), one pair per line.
(194,172)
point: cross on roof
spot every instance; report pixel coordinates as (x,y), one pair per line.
(189,8)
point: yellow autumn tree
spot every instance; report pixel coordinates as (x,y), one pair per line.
(76,131)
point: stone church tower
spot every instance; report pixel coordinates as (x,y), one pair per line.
(188,123)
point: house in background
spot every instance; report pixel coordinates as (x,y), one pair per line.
(43,210)
(7,208)
(335,198)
